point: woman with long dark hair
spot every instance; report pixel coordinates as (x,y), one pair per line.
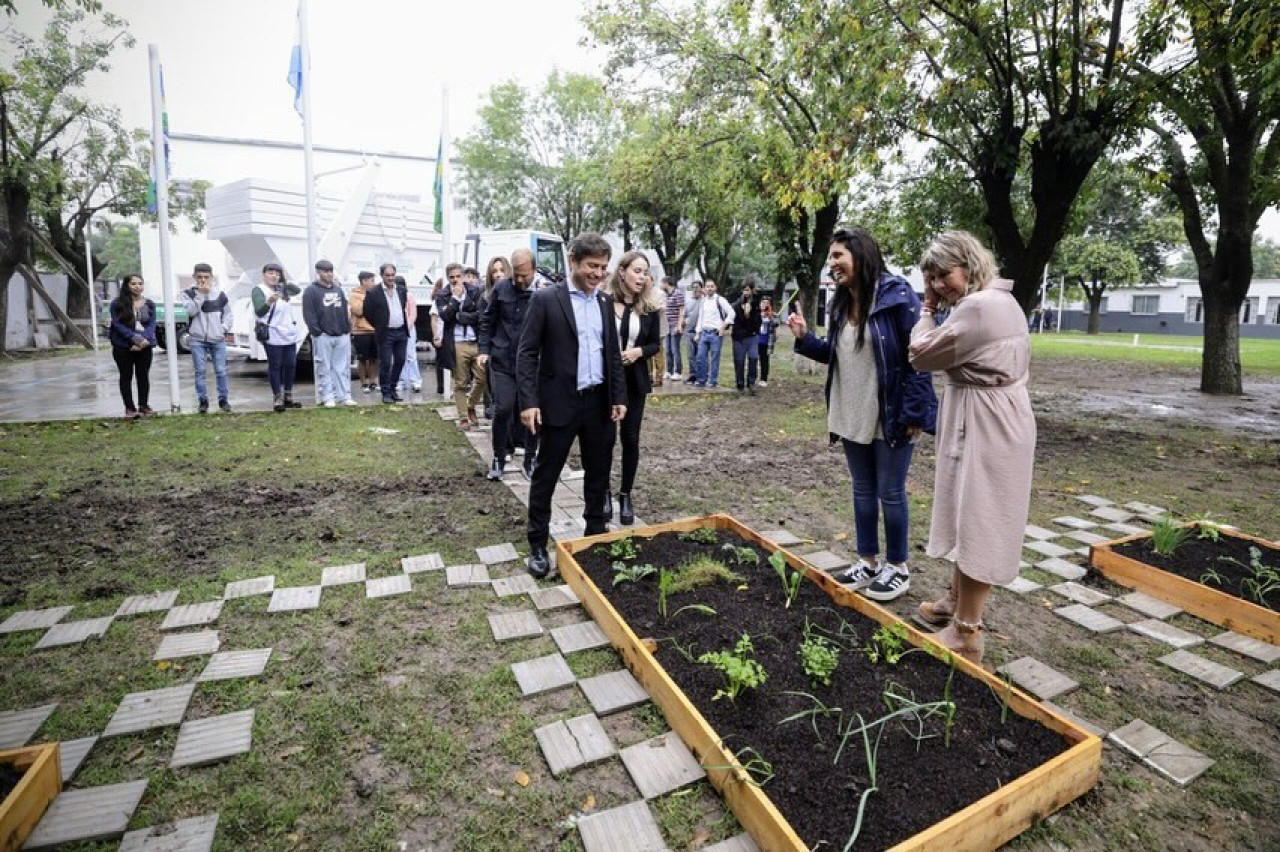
(877,403)
(768,336)
(133,338)
(636,308)
(271,305)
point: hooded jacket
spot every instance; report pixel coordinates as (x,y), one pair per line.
(208,314)
(906,396)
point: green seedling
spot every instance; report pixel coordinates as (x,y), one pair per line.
(790,579)
(741,555)
(666,579)
(740,671)
(888,643)
(685,651)
(702,535)
(818,656)
(1264,579)
(624,549)
(702,608)
(813,713)
(622,573)
(702,570)
(758,770)
(1207,530)
(1167,536)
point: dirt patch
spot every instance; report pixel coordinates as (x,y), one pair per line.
(9,779)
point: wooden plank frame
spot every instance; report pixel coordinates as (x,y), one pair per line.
(1216,607)
(27,802)
(983,825)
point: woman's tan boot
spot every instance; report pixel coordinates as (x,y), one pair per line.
(939,612)
(963,638)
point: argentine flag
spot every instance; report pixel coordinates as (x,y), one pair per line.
(295,77)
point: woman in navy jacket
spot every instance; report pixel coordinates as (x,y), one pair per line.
(877,403)
(133,337)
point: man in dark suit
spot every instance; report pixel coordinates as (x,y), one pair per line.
(384,308)
(569,373)
(500,325)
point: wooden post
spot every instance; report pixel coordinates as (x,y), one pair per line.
(69,328)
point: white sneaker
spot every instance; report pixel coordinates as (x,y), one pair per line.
(519,451)
(890,583)
(763,384)
(328,403)
(349,401)
(857,577)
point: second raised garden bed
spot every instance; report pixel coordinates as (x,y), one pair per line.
(30,779)
(954,757)
(1211,575)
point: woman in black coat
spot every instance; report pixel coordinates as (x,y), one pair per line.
(636,309)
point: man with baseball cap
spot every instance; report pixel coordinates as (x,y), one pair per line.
(325,312)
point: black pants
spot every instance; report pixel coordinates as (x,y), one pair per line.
(764,362)
(391,345)
(507,430)
(282,365)
(630,433)
(132,364)
(589,423)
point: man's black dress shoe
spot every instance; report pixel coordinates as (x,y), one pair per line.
(539,562)
(593,530)
(608,507)
(626,511)
(496,470)
(530,463)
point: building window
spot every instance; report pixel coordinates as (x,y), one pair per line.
(1273,311)
(1102,305)
(1248,310)
(1146,305)
(1195,310)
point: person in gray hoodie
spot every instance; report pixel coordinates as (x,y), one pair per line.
(208,324)
(324,310)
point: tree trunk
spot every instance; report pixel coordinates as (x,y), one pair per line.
(1095,313)
(1220,364)
(15,241)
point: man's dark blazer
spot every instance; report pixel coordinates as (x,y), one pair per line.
(547,357)
(638,373)
(378,313)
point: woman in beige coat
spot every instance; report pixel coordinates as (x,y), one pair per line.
(986,431)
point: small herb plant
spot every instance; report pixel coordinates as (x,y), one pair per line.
(1167,536)
(758,770)
(633,574)
(1264,579)
(888,644)
(694,607)
(1207,530)
(741,555)
(739,669)
(813,713)
(666,579)
(702,535)
(624,549)
(790,579)
(818,656)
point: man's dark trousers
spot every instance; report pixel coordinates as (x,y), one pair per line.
(391,344)
(507,430)
(589,422)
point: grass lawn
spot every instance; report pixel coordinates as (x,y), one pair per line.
(1257,356)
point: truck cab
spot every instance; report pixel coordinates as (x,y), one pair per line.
(548,250)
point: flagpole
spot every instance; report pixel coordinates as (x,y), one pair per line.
(446,234)
(93,291)
(308,166)
(161,171)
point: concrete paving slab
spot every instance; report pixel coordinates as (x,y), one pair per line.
(582,636)
(1033,531)
(294,598)
(34,619)
(1047,548)
(341,575)
(185,835)
(573,743)
(507,626)
(825,560)
(71,754)
(1036,678)
(205,741)
(1147,605)
(1155,519)
(1075,523)
(1126,529)
(542,674)
(1021,585)
(1094,500)
(628,828)
(382,587)
(556,597)
(1140,508)
(1271,680)
(155,708)
(613,691)
(448,412)
(178,645)
(1261,651)
(1177,762)
(192,615)
(1080,594)
(518,584)
(1062,568)
(1207,671)
(567,529)
(496,554)
(80,816)
(17,727)
(783,538)
(1111,513)
(741,843)
(421,563)
(140,604)
(467,576)
(233,664)
(1090,619)
(1154,628)
(661,765)
(1075,719)
(74,632)
(570,474)
(1086,537)
(249,588)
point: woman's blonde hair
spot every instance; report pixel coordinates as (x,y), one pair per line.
(960,249)
(648,300)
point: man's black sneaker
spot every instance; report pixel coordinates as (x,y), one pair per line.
(530,464)
(539,562)
(890,583)
(495,470)
(204,406)
(223,405)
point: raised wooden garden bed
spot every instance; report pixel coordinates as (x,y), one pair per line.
(38,777)
(1131,562)
(1030,764)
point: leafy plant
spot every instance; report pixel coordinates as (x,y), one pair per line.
(702,570)
(1207,530)
(739,669)
(741,555)
(624,574)
(888,644)
(818,656)
(1167,536)
(685,651)
(1212,576)
(1264,578)
(702,535)
(666,579)
(624,549)
(790,579)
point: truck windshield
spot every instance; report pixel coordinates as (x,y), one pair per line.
(550,254)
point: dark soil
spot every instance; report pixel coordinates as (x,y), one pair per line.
(1195,557)
(918,783)
(9,778)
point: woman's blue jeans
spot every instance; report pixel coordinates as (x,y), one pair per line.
(879,480)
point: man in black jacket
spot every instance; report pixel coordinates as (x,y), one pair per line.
(459,307)
(500,327)
(384,308)
(746,339)
(569,375)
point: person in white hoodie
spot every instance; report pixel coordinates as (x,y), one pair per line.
(272,307)
(208,324)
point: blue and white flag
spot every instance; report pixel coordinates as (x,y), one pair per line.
(296,75)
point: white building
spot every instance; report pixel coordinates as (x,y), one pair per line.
(1175,306)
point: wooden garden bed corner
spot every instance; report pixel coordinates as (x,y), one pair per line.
(27,802)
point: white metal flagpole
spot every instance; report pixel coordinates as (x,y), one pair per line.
(1062,300)
(308,167)
(93,291)
(446,195)
(161,171)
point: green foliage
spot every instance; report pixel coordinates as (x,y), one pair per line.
(758,770)
(819,659)
(697,571)
(701,535)
(888,643)
(694,607)
(739,669)
(818,710)
(1263,580)
(790,579)
(1168,535)
(624,549)
(665,581)
(1207,530)
(631,574)
(741,555)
